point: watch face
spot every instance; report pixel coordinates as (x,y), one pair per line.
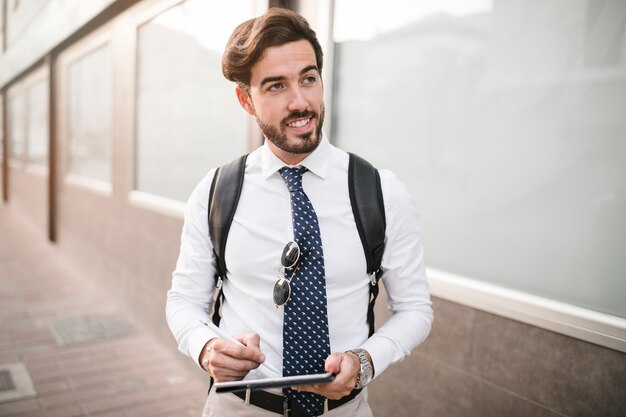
(366,376)
(366,373)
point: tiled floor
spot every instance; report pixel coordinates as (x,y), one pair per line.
(125,376)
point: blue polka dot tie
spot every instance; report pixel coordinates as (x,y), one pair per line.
(306,344)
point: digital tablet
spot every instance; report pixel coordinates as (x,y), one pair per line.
(282,382)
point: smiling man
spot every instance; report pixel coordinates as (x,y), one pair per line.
(313,316)
(288,99)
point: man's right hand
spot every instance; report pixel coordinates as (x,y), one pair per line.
(228,361)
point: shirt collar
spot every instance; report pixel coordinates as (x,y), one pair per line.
(317,162)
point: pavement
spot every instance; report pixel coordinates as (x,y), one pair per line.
(84,355)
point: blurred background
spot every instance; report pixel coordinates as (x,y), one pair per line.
(506,119)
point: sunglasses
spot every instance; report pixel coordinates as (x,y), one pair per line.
(289,261)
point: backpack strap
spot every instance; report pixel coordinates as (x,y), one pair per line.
(368,208)
(223,199)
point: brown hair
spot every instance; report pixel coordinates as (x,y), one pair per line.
(250,39)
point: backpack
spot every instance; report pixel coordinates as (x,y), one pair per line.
(367,206)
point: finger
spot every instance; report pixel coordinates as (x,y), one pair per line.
(223,374)
(306,388)
(333,363)
(350,363)
(345,370)
(204,354)
(348,370)
(251,340)
(339,364)
(233,363)
(332,391)
(236,351)
(225,368)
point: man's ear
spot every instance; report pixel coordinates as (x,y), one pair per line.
(244,100)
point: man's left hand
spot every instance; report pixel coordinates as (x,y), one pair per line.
(346,367)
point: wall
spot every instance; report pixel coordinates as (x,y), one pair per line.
(120,233)
(29,195)
(130,250)
(479,364)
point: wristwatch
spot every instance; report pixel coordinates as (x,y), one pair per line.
(366,373)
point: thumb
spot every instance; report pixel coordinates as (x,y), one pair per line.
(333,363)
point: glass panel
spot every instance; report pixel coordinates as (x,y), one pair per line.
(1,142)
(2,30)
(188,117)
(16,128)
(19,14)
(38,124)
(507,122)
(89,109)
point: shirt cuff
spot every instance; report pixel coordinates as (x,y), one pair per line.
(380,351)
(197,340)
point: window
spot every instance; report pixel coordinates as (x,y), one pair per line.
(2,29)
(16,129)
(27,120)
(188,118)
(1,148)
(506,122)
(89,115)
(19,14)
(37,124)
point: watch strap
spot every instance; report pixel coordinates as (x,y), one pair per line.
(364,364)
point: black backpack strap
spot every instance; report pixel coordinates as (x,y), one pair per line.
(223,199)
(368,208)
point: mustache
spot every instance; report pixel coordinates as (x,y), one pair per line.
(299,115)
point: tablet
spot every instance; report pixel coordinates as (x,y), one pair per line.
(282,382)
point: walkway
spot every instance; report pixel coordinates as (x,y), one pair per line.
(48,316)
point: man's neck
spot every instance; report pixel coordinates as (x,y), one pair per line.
(287,157)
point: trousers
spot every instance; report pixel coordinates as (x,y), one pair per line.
(229,405)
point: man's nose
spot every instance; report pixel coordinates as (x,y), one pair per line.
(297,100)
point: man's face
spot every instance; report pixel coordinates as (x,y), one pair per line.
(286,96)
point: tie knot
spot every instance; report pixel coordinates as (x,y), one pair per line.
(293,177)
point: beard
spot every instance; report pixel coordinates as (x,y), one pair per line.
(308,141)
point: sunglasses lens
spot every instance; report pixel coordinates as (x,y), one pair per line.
(282,292)
(289,259)
(290,255)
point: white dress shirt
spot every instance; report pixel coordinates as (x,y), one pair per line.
(260,230)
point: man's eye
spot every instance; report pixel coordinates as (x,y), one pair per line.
(311,79)
(275,87)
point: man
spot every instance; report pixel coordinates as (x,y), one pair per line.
(276,62)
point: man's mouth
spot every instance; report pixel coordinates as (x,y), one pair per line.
(299,123)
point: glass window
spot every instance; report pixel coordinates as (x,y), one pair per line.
(2,29)
(1,143)
(19,14)
(38,124)
(506,122)
(16,128)
(89,115)
(188,117)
